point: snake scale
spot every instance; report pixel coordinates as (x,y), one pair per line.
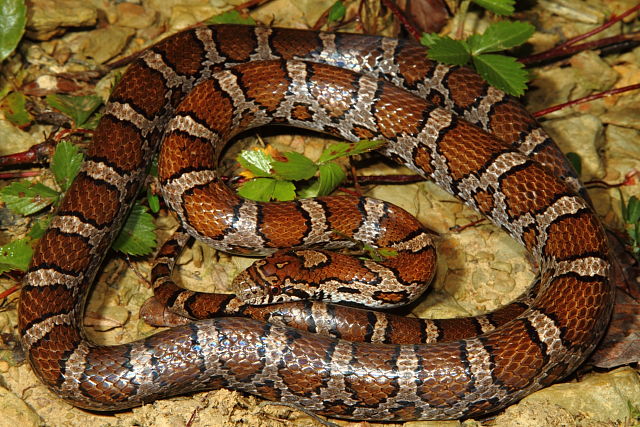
(451,129)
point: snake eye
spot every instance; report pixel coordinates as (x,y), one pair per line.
(275,290)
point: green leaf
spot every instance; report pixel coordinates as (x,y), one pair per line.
(256,161)
(92,121)
(297,167)
(14,109)
(258,189)
(13,14)
(499,7)
(38,229)
(15,255)
(79,108)
(575,161)
(26,198)
(500,36)
(138,236)
(337,12)
(284,191)
(502,72)
(66,163)
(308,189)
(267,189)
(379,254)
(331,175)
(230,17)
(633,210)
(342,149)
(449,51)
(429,39)
(153,201)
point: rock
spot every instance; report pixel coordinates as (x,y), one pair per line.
(574,10)
(551,87)
(593,73)
(134,16)
(625,117)
(582,135)
(15,412)
(49,18)
(623,149)
(606,397)
(101,44)
(13,139)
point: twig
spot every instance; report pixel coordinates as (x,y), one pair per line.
(586,99)
(460,228)
(8,292)
(386,179)
(14,175)
(575,48)
(563,48)
(602,27)
(411,29)
(460,16)
(38,153)
(629,179)
(67,132)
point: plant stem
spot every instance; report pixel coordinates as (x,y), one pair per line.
(584,99)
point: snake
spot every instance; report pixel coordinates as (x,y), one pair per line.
(210,82)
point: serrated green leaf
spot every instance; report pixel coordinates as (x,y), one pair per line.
(231,17)
(343,149)
(502,72)
(15,255)
(38,229)
(255,161)
(13,17)
(429,39)
(331,175)
(284,191)
(79,108)
(267,189)
(499,7)
(258,189)
(14,108)
(500,36)
(26,198)
(66,163)
(449,51)
(297,167)
(138,236)
(337,12)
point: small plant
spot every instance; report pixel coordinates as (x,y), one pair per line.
(478,50)
(285,176)
(27,198)
(631,217)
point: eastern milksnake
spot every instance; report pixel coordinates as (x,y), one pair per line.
(432,134)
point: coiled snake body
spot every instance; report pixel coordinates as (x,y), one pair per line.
(298,83)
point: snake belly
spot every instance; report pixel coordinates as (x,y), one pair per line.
(506,182)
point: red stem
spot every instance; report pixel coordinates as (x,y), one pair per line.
(415,33)
(569,50)
(586,99)
(568,46)
(604,26)
(8,292)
